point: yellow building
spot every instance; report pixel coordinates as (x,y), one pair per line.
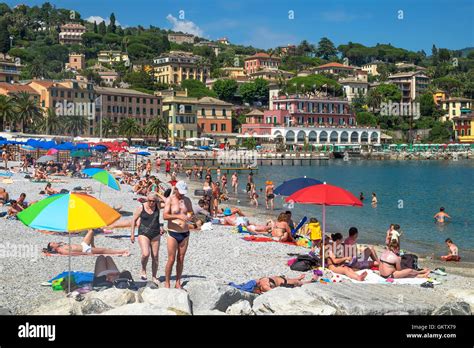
(111,57)
(464,128)
(181,112)
(456,107)
(9,69)
(176,66)
(439,97)
(233,72)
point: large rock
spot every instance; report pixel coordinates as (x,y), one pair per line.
(114,297)
(465,295)
(5,311)
(241,307)
(376,299)
(454,308)
(94,306)
(175,299)
(63,306)
(207,295)
(294,301)
(139,309)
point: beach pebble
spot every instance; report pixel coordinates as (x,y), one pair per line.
(139,309)
(241,307)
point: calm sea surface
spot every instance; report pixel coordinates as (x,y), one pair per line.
(409,193)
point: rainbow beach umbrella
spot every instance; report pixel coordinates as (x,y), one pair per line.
(69,212)
(103,176)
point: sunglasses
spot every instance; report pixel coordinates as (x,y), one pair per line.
(151,201)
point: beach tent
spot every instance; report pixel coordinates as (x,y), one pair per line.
(325,195)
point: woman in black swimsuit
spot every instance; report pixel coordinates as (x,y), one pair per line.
(149,233)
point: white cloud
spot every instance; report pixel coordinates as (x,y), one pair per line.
(184,26)
(99,19)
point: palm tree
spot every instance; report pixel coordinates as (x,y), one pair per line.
(108,128)
(76,125)
(26,109)
(51,123)
(6,110)
(158,126)
(128,127)
(374,99)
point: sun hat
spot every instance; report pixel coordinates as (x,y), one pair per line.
(269,182)
(182,187)
(227,212)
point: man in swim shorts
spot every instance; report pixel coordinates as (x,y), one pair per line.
(179,214)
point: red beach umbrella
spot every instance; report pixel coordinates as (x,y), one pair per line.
(324,195)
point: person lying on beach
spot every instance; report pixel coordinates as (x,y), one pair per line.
(22,201)
(338,264)
(390,264)
(49,190)
(261,285)
(453,254)
(350,249)
(13,209)
(4,196)
(281,229)
(87,247)
(441,216)
(236,220)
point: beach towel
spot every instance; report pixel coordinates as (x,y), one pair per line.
(79,277)
(248,287)
(45,253)
(7,181)
(6,174)
(265,239)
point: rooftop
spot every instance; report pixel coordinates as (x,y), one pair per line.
(407,74)
(335,65)
(111,90)
(16,88)
(213,101)
(261,55)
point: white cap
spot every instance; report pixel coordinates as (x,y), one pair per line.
(182,187)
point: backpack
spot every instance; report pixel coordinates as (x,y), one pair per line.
(409,261)
(305,263)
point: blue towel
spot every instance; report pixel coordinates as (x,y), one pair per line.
(79,277)
(249,286)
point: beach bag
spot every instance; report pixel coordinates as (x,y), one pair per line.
(305,263)
(409,261)
(125,281)
(64,191)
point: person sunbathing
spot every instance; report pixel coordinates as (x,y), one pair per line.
(453,254)
(281,229)
(261,285)
(236,220)
(338,264)
(14,209)
(87,247)
(40,174)
(390,264)
(351,249)
(49,190)
(22,201)
(4,196)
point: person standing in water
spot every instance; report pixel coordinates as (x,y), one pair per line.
(361,197)
(441,216)
(179,214)
(374,200)
(269,195)
(235,182)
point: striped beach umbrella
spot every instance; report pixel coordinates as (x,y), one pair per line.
(69,212)
(103,176)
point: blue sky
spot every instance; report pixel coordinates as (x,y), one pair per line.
(266,23)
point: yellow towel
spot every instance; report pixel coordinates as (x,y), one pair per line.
(7,181)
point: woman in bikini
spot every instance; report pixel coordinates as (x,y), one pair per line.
(337,264)
(390,264)
(149,234)
(269,195)
(281,229)
(267,283)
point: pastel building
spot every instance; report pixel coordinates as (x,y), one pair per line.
(177,66)
(260,61)
(410,84)
(314,120)
(71,34)
(456,107)
(214,116)
(464,128)
(9,69)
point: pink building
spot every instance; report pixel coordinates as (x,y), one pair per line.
(259,61)
(297,111)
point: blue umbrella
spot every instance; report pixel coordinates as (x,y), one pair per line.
(142,153)
(291,186)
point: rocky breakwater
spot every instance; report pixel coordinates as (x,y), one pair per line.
(203,297)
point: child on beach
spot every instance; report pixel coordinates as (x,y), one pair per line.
(313,231)
(453,252)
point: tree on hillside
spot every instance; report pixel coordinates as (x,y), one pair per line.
(140,79)
(374,99)
(225,89)
(197,89)
(256,91)
(326,49)
(427,104)
(304,48)
(112,27)
(26,109)
(102,28)
(4,36)
(449,84)
(7,111)
(389,92)
(96,30)
(366,119)
(157,127)
(444,55)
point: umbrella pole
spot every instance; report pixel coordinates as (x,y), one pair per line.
(69,266)
(324,232)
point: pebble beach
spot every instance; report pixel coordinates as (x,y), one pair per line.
(216,255)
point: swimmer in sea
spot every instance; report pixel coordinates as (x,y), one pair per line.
(441,216)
